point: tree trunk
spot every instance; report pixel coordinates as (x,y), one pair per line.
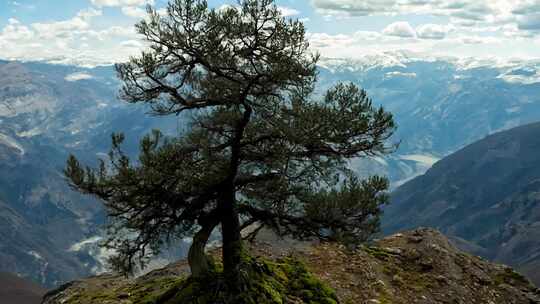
(232,239)
(197,259)
(230,220)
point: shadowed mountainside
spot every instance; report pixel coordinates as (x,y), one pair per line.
(15,290)
(486,196)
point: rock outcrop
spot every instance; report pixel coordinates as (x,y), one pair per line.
(420,266)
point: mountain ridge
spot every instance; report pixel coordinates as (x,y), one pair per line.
(49,111)
(418,266)
(487,195)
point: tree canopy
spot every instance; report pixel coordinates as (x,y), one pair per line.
(262,149)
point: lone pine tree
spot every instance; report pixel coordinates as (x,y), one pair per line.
(261,150)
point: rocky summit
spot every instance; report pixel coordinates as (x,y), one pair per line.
(420,266)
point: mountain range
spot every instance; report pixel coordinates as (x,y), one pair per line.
(47,111)
(440,104)
(486,197)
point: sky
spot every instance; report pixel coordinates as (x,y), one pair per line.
(95,32)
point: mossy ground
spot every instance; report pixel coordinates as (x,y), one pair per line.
(282,281)
(264,282)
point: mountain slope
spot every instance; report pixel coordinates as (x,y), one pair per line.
(419,266)
(19,291)
(46,112)
(440,105)
(486,195)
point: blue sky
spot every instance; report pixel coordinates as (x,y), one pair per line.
(94,32)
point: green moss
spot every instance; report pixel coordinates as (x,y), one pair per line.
(385,299)
(137,293)
(265,282)
(378,252)
(510,277)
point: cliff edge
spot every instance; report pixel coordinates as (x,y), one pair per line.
(419,266)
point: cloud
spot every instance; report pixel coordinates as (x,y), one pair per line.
(459,26)
(432,31)
(526,7)
(461,13)
(135,12)
(529,22)
(400,74)
(478,40)
(131,44)
(352,7)
(323,40)
(15,31)
(112,3)
(464,9)
(78,76)
(71,41)
(66,28)
(515,29)
(130,8)
(400,29)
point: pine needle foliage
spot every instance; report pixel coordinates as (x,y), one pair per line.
(262,150)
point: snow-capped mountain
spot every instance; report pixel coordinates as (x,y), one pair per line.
(440,104)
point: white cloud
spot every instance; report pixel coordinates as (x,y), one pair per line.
(101,3)
(130,8)
(463,13)
(66,28)
(78,76)
(466,9)
(433,31)
(400,29)
(71,41)
(131,44)
(352,7)
(455,44)
(400,74)
(529,22)
(463,26)
(15,31)
(133,11)
(323,40)
(526,7)
(478,40)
